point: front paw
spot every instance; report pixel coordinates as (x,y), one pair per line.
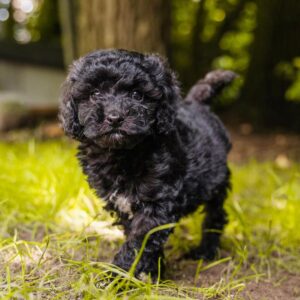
(148,268)
(205,253)
(124,259)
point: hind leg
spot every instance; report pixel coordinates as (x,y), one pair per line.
(212,228)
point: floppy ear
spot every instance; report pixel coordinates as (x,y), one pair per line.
(68,111)
(166,81)
(165,117)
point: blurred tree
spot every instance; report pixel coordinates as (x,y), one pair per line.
(206,38)
(44,25)
(263,95)
(8,26)
(210,34)
(138,25)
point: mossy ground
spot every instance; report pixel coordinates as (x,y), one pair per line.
(56,241)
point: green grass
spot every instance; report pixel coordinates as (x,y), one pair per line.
(56,241)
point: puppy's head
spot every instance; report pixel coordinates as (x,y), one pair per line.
(115,98)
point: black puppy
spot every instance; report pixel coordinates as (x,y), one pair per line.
(150,155)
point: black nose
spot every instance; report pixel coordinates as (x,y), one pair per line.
(114,118)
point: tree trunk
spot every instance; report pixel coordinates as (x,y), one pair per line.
(276,40)
(141,25)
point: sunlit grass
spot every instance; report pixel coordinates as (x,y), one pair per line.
(56,241)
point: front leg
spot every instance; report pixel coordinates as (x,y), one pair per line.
(151,216)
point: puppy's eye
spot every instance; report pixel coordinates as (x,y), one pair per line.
(95,93)
(137,95)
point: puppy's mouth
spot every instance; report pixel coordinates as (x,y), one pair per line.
(117,139)
(115,132)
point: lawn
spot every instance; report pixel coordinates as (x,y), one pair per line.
(56,241)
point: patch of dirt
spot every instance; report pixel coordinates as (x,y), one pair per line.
(283,286)
(184,272)
(44,131)
(276,146)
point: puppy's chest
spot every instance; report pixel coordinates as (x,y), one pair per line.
(121,203)
(126,185)
(114,185)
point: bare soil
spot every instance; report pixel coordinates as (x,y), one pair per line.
(281,147)
(280,286)
(284,286)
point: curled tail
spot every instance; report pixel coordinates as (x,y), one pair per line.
(206,89)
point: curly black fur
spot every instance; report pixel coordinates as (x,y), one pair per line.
(150,155)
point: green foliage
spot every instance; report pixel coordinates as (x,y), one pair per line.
(212,34)
(290,71)
(56,240)
(183,13)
